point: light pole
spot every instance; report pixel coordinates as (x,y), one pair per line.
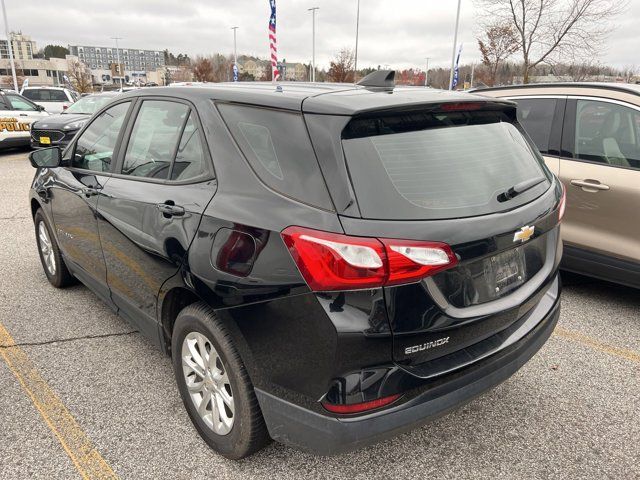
(355,61)
(118,59)
(13,65)
(455,41)
(313,42)
(426,74)
(235,55)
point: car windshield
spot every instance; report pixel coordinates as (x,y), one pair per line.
(88,105)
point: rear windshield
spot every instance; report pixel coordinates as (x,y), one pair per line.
(45,95)
(435,165)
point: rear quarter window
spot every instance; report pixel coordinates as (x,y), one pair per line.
(277,146)
(432,165)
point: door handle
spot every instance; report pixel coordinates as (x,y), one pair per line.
(586,185)
(169,210)
(24,115)
(90,191)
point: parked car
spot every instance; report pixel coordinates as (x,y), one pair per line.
(589,134)
(17,114)
(58,130)
(53,99)
(327,265)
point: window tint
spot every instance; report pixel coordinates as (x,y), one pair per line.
(536,116)
(607,133)
(95,146)
(154,139)
(423,165)
(190,158)
(19,103)
(45,95)
(277,146)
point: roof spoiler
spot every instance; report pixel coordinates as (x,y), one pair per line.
(379,78)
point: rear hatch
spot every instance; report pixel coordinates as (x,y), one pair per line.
(464,174)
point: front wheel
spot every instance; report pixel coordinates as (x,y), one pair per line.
(214,384)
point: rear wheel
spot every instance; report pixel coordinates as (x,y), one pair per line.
(214,384)
(50,257)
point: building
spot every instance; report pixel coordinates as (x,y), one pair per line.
(253,68)
(38,71)
(103,62)
(296,72)
(22,45)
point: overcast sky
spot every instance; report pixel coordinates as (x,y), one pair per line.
(400,33)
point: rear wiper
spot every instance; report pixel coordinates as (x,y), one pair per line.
(519,188)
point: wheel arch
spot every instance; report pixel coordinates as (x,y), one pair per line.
(173,302)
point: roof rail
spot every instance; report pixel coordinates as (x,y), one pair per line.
(379,78)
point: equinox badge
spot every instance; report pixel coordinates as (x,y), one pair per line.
(524,234)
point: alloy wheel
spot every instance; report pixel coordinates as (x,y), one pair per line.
(46,248)
(208,383)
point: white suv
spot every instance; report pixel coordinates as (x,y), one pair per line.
(53,99)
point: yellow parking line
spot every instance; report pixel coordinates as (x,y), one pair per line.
(590,342)
(75,442)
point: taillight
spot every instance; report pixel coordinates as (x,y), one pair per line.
(410,261)
(65,106)
(332,261)
(361,407)
(563,203)
(461,106)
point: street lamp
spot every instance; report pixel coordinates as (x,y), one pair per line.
(235,55)
(426,74)
(455,41)
(13,65)
(313,42)
(120,69)
(355,61)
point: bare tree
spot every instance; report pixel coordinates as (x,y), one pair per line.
(497,44)
(203,70)
(552,30)
(341,67)
(80,77)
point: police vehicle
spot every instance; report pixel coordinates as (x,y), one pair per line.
(16,116)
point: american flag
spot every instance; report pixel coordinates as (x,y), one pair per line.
(273,42)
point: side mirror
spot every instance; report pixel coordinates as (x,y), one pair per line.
(46,158)
(40,108)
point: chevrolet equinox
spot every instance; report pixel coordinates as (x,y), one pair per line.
(327,265)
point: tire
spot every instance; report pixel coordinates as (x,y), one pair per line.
(58,275)
(195,326)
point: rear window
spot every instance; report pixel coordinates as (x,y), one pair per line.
(436,165)
(277,146)
(45,95)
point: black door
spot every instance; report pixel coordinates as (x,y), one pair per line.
(151,208)
(78,189)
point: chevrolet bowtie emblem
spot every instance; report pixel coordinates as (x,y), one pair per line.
(524,234)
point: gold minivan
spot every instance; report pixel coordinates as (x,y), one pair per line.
(589,135)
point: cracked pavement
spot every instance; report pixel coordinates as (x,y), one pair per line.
(571,412)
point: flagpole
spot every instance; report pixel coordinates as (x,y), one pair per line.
(13,65)
(455,44)
(355,62)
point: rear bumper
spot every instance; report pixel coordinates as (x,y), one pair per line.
(325,435)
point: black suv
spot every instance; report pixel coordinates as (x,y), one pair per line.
(327,265)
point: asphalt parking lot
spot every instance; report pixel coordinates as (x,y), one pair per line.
(71,370)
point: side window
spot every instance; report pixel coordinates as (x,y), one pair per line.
(536,116)
(154,139)
(19,103)
(607,133)
(190,159)
(94,148)
(277,146)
